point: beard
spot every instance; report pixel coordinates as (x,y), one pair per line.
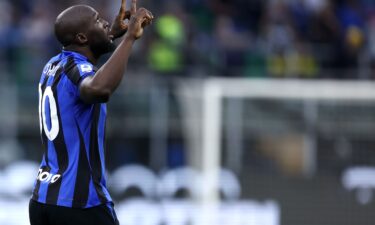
(102,46)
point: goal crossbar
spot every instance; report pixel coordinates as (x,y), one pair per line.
(292,89)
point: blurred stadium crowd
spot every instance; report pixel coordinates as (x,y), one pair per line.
(273,38)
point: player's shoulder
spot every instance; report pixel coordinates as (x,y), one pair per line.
(51,63)
(84,67)
(80,64)
(77,67)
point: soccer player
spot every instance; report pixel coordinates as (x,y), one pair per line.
(70,188)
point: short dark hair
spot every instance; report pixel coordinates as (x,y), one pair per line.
(72,21)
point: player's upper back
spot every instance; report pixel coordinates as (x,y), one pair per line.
(71,64)
(72,169)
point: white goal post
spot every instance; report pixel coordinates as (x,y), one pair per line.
(202,102)
(212,91)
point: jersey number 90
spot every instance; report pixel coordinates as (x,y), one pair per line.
(54,129)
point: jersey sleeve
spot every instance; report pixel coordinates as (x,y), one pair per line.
(79,72)
(76,72)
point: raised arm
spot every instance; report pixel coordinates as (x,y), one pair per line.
(98,88)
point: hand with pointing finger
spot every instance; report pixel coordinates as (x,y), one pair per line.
(138,19)
(119,26)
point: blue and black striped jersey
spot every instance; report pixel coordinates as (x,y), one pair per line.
(72,172)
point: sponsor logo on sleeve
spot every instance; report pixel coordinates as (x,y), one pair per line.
(85,68)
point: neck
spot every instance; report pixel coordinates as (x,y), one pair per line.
(83,51)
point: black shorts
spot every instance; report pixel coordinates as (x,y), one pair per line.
(42,214)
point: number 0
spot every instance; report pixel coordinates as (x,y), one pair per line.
(54,131)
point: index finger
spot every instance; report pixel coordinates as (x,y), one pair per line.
(123,7)
(133,8)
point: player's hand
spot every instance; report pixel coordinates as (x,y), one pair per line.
(119,26)
(139,19)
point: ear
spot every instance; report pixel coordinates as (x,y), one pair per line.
(81,38)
